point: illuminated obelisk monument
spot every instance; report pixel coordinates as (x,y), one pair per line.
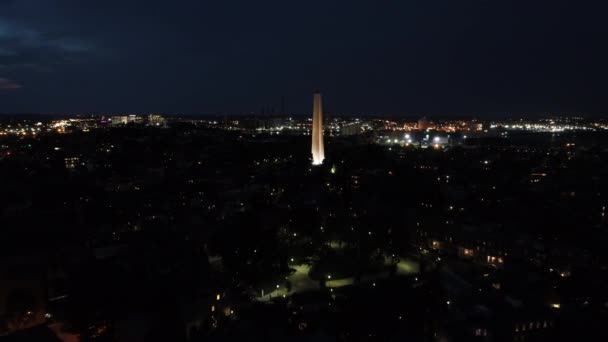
(318,152)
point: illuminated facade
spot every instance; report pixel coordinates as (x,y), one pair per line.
(156,120)
(423,123)
(318,151)
(71,163)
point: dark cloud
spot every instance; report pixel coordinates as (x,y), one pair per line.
(20,45)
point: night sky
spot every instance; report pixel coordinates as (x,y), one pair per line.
(400,57)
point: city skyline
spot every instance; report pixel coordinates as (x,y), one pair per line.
(164,177)
(224,225)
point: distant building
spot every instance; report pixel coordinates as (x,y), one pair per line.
(118,120)
(423,123)
(475,125)
(353,128)
(318,151)
(156,120)
(72,162)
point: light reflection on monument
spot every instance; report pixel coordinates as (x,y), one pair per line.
(318,151)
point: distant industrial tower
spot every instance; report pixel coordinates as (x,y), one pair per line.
(318,151)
